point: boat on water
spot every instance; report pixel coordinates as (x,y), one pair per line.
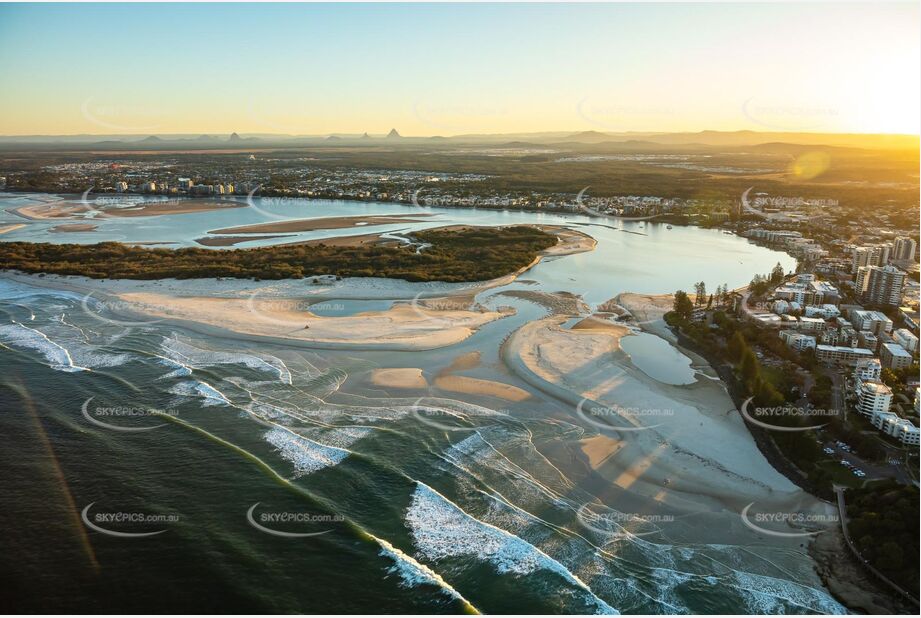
(668,227)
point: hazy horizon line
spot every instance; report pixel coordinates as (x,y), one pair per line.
(573,132)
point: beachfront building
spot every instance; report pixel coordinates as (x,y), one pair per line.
(906,339)
(842,355)
(797,341)
(873,398)
(893,356)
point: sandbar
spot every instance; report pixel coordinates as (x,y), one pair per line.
(400,377)
(322,223)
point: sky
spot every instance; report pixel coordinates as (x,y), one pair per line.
(449,69)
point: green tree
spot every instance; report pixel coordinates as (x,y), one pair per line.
(682,305)
(749,368)
(889,378)
(777,274)
(736,347)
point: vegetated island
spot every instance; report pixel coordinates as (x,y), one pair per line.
(450,255)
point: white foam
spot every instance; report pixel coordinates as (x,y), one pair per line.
(765,595)
(306,455)
(192,356)
(200,388)
(441,529)
(20,336)
(413,573)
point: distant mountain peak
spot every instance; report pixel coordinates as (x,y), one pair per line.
(152,138)
(365,136)
(393,134)
(589,136)
(234,137)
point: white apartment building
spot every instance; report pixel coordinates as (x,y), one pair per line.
(874,321)
(906,339)
(868,370)
(876,255)
(842,354)
(904,248)
(797,341)
(868,340)
(880,285)
(873,398)
(894,356)
(901,429)
(826,311)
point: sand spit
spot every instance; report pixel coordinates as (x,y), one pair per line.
(322,223)
(74,209)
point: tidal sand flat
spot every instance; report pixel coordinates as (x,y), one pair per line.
(71,209)
(663,424)
(322,223)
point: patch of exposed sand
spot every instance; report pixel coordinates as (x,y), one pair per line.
(477,386)
(74,227)
(402,377)
(464,362)
(599,448)
(11,228)
(570,241)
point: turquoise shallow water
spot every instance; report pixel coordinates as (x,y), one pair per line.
(432,505)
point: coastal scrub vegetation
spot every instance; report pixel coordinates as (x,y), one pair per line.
(884,526)
(472,254)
